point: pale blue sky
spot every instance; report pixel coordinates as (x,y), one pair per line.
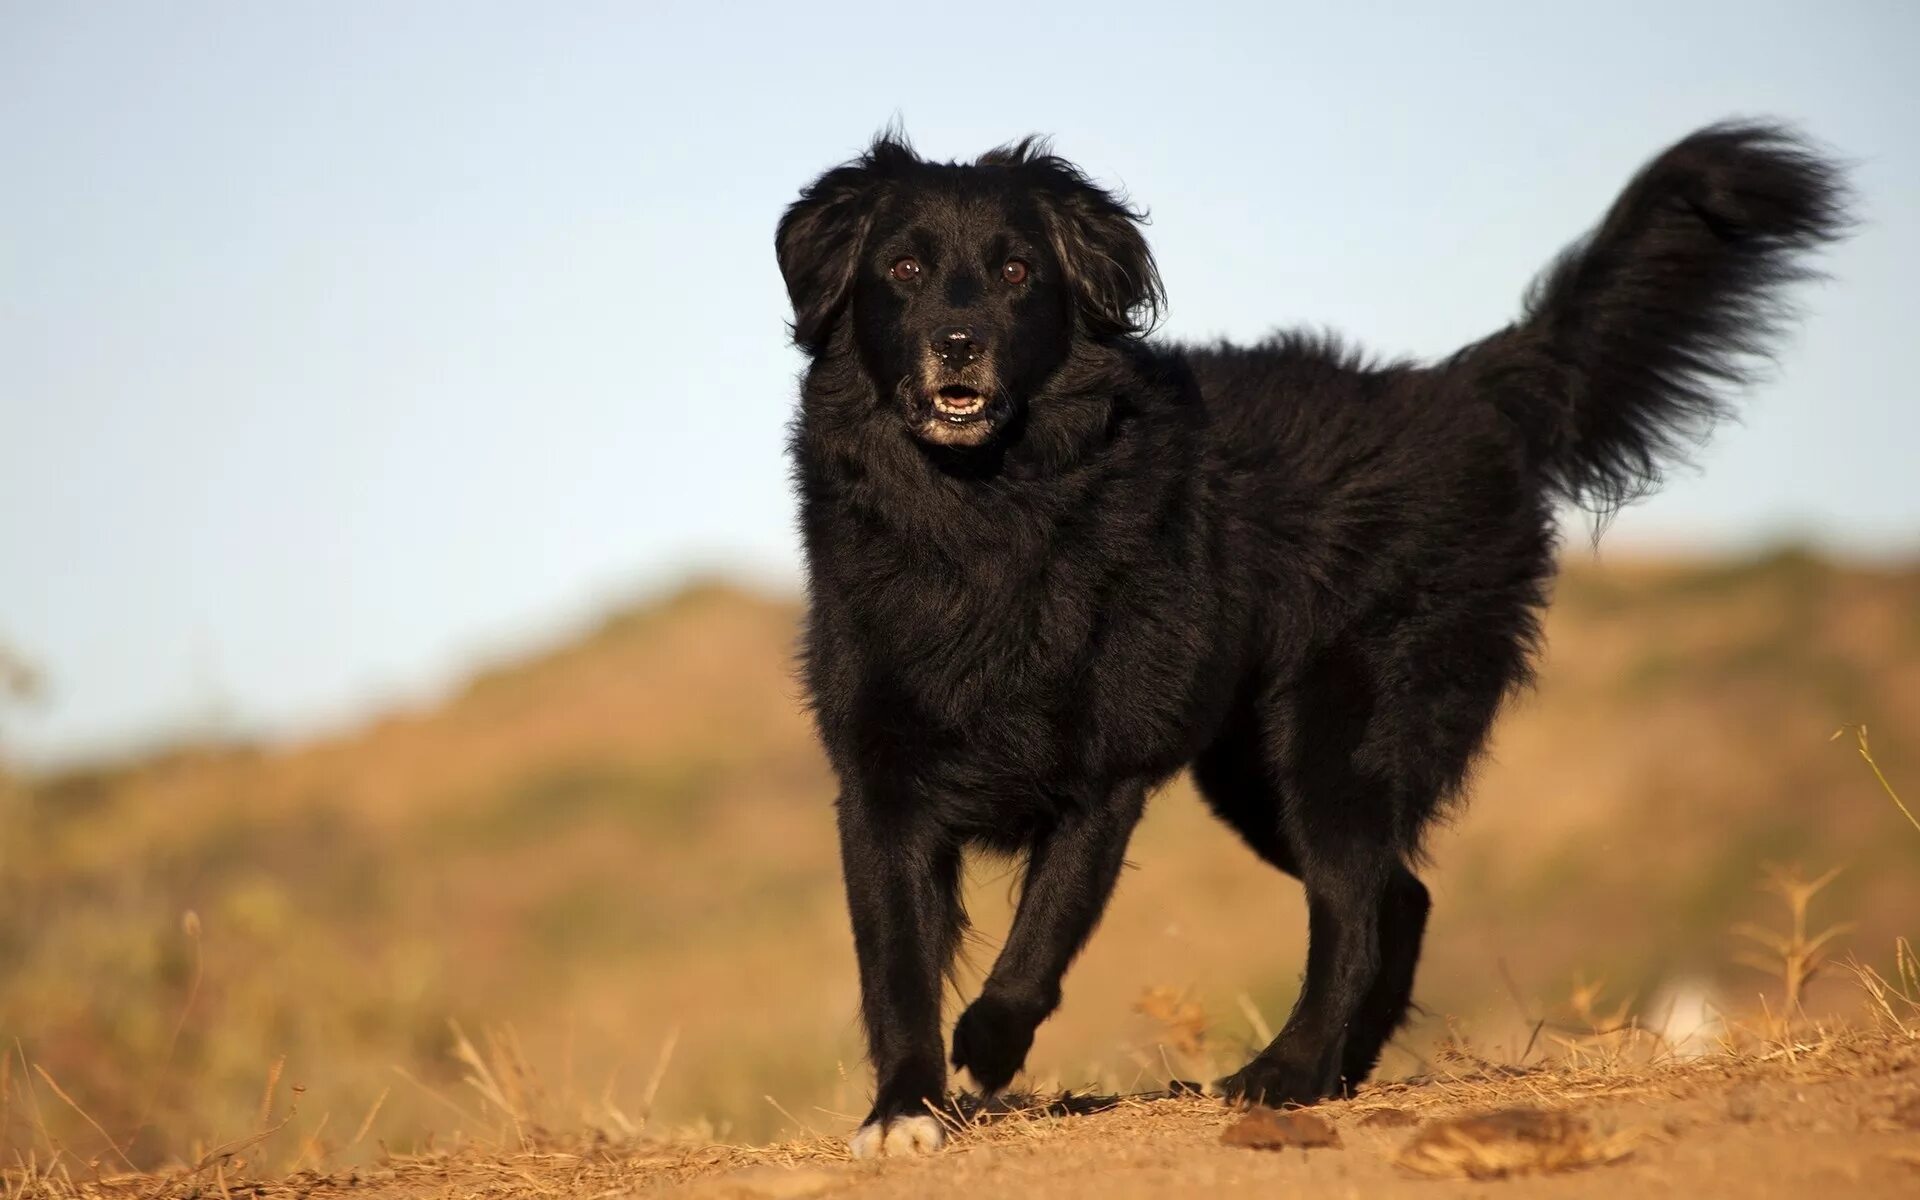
(343,343)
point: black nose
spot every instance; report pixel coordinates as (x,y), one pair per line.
(954,345)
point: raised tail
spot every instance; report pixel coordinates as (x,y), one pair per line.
(1633,339)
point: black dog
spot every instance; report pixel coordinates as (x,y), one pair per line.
(1051,563)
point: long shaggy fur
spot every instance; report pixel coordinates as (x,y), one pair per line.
(1309,576)
(1633,339)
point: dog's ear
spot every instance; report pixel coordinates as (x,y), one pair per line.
(819,238)
(1096,236)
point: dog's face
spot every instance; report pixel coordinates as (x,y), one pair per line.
(963,287)
(958,301)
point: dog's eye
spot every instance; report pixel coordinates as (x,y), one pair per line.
(905,269)
(1014,272)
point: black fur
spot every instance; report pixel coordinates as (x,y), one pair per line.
(1310,577)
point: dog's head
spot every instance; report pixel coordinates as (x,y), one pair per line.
(963,286)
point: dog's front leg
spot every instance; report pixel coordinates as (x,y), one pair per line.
(1071,870)
(903,880)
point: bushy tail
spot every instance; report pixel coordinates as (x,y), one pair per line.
(1632,339)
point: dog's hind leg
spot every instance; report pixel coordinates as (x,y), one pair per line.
(1361,747)
(1403,922)
(1071,870)
(1295,773)
(1351,935)
(1347,884)
(1236,781)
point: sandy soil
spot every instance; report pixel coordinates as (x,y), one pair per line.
(1836,1115)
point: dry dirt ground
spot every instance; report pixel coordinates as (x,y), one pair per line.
(1829,1116)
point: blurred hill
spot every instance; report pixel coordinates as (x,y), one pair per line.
(624,845)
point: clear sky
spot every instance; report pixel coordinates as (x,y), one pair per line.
(343,343)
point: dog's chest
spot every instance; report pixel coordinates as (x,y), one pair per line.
(1010,673)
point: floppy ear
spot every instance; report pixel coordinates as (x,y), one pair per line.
(819,238)
(818,243)
(1105,257)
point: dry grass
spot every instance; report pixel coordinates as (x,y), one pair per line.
(1866,752)
(1895,1002)
(1794,955)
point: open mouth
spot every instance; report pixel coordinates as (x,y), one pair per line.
(956,414)
(958,403)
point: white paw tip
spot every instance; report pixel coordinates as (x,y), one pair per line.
(899,1138)
(914,1135)
(865,1142)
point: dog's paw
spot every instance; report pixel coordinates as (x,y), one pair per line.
(899,1138)
(1275,1083)
(990,1042)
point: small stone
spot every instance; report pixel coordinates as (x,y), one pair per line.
(1270,1129)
